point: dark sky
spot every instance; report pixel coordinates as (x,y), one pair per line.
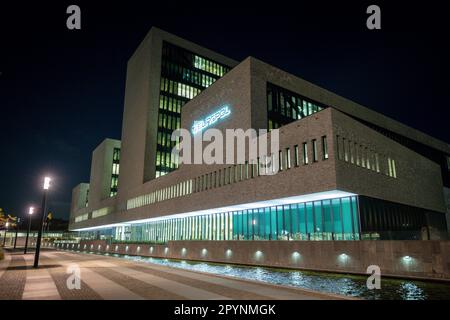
(62,91)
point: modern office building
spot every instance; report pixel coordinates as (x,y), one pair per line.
(346,172)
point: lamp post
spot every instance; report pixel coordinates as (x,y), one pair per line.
(6,229)
(30,213)
(17,229)
(41,222)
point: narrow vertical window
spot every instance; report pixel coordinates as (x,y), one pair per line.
(351,151)
(257,167)
(377,162)
(305,153)
(338,147)
(324,147)
(389,167)
(448,163)
(280,160)
(296,159)
(288,158)
(314,149)
(363,159)
(345,145)
(394,170)
(246,170)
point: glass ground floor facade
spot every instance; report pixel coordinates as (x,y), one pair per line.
(345,218)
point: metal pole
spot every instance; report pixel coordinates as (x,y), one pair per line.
(4,239)
(15,239)
(41,225)
(28,233)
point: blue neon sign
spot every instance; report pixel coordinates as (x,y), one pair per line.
(199,125)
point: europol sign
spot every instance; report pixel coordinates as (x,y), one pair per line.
(210,120)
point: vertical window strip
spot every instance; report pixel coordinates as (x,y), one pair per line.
(324,148)
(305,152)
(314,150)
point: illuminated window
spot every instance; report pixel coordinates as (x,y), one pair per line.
(448,163)
(305,153)
(115,172)
(284,106)
(296,158)
(288,158)
(324,148)
(314,149)
(183,76)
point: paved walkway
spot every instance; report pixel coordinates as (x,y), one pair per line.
(113,278)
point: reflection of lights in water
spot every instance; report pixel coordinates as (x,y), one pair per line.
(228,268)
(324,282)
(259,274)
(411,291)
(296,278)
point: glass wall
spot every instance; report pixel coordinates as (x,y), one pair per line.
(385,220)
(331,219)
(183,76)
(284,106)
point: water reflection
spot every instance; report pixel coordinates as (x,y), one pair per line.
(344,284)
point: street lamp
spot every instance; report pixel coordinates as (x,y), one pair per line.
(41,222)
(30,213)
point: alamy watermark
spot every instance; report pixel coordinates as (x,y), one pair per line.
(73,282)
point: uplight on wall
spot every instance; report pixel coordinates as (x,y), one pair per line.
(228,254)
(343,258)
(406,258)
(204,252)
(259,255)
(295,257)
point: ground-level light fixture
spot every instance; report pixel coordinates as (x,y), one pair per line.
(295,256)
(258,255)
(407,258)
(343,257)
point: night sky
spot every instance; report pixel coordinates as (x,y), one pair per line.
(62,91)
